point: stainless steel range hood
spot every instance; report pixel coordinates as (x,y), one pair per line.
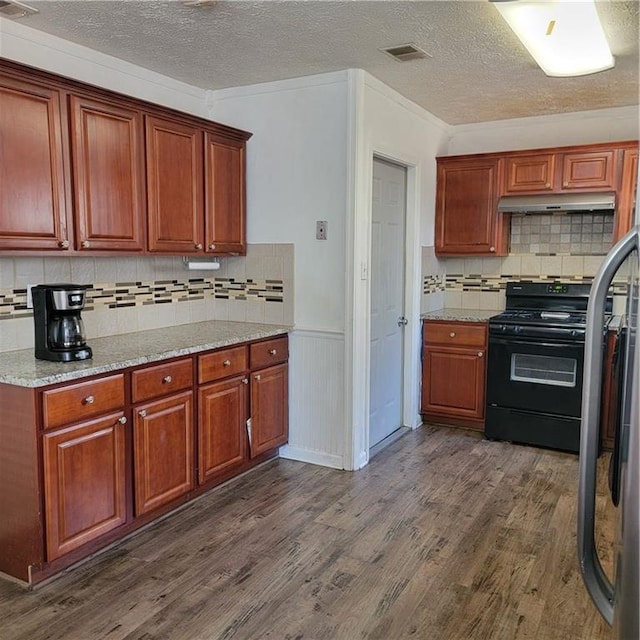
(559,203)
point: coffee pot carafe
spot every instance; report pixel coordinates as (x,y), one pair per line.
(59,330)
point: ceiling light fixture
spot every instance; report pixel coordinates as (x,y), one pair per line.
(564,37)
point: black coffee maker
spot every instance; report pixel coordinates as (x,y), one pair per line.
(59,331)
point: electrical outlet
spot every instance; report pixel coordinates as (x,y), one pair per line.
(29,296)
(321,229)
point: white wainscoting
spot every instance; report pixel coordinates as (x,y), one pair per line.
(316,398)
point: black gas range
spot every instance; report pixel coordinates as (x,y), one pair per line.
(535,364)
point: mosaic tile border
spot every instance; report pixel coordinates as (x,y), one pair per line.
(496,284)
(13,302)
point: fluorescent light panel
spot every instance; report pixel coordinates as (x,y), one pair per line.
(564,37)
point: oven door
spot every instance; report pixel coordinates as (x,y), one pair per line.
(535,375)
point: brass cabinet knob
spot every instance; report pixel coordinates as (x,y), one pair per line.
(492,249)
(547,185)
(245,381)
(212,246)
(226,363)
(452,334)
(272,352)
(142,413)
(89,400)
(565,184)
(480,354)
(122,420)
(167,379)
(199,246)
(63,244)
(258,377)
(85,244)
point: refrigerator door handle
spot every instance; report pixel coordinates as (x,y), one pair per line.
(598,585)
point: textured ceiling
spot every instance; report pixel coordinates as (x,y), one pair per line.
(478,70)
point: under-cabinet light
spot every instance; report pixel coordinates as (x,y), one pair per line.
(564,37)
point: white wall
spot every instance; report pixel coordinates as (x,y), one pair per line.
(584,127)
(388,125)
(296,174)
(43,51)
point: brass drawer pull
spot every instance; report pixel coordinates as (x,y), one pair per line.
(452,334)
(258,377)
(272,352)
(63,244)
(245,381)
(198,246)
(167,379)
(226,363)
(480,354)
(142,413)
(89,400)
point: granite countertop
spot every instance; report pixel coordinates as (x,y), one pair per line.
(461,315)
(21,368)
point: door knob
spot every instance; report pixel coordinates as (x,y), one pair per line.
(402,321)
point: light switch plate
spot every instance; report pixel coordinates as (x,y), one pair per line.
(321,229)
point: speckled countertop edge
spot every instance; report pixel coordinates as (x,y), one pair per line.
(461,315)
(112,353)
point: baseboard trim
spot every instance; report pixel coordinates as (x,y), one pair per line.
(312,457)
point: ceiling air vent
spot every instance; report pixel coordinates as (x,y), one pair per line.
(14,9)
(406,52)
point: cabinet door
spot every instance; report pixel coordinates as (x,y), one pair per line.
(269,409)
(225,196)
(530,174)
(163,451)
(108,171)
(33,213)
(222,437)
(453,382)
(589,171)
(84,482)
(467,220)
(175,192)
(627,194)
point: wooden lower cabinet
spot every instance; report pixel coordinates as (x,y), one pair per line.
(86,462)
(222,436)
(163,451)
(84,482)
(454,373)
(269,409)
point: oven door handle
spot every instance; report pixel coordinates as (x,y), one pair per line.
(513,341)
(598,585)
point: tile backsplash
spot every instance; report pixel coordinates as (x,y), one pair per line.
(132,294)
(565,233)
(480,283)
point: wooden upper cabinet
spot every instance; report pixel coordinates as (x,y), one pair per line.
(174,186)
(467,221)
(588,171)
(224,196)
(107,146)
(524,174)
(33,213)
(560,171)
(628,193)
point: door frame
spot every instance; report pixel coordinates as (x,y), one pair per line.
(358,287)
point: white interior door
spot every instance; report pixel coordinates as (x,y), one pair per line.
(387,299)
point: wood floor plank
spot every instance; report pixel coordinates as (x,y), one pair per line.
(443,536)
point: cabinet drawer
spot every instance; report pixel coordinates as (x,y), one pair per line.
(221,364)
(76,402)
(456,333)
(264,354)
(153,382)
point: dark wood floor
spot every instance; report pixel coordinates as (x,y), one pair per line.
(443,536)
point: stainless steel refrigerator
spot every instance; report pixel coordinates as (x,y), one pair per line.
(618,599)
